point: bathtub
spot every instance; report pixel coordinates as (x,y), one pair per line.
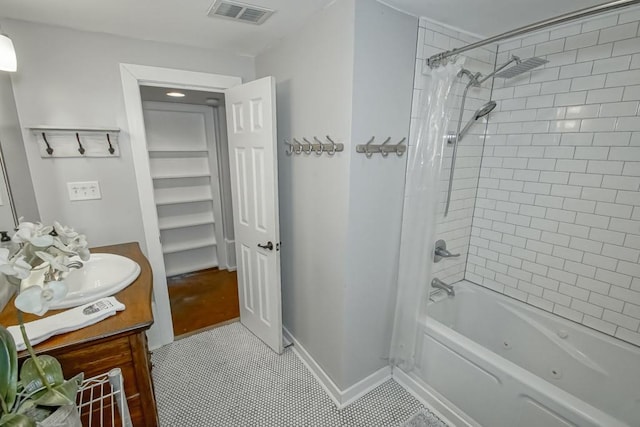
(503,363)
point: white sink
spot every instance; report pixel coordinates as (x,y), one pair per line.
(102,276)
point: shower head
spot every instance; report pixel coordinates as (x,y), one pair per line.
(485,109)
(522,66)
(481,112)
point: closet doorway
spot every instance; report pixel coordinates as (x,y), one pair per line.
(250,112)
(189,165)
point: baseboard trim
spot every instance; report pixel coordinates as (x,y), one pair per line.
(445,410)
(340,398)
(230,246)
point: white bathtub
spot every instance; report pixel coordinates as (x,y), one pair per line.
(504,363)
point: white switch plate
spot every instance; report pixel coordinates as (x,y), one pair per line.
(87,190)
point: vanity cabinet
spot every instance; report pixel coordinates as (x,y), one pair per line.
(116,342)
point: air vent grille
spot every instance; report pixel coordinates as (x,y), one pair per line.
(239,12)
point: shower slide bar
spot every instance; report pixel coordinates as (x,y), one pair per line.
(318,147)
(437,59)
(369,149)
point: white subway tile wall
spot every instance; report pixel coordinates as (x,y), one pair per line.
(456,227)
(557,217)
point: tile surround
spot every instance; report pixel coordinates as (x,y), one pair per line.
(547,208)
(557,218)
(456,227)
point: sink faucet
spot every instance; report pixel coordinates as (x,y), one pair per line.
(439,284)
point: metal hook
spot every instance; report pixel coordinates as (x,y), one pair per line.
(398,152)
(321,150)
(80,147)
(333,146)
(289,150)
(49,149)
(310,148)
(382,150)
(111,149)
(298,147)
(366,148)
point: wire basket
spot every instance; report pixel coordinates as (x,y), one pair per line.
(102,402)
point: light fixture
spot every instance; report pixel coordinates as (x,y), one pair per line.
(213,102)
(176,94)
(8,60)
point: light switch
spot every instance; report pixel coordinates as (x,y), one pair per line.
(87,190)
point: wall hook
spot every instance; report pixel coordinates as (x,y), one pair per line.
(333,146)
(383,151)
(49,149)
(399,151)
(80,147)
(298,146)
(309,146)
(111,149)
(366,148)
(289,150)
(320,149)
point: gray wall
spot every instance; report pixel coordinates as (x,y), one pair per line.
(313,70)
(384,62)
(14,154)
(347,73)
(72,78)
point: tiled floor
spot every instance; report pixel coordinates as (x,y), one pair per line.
(227,377)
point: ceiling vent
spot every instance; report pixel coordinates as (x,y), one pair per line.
(239,12)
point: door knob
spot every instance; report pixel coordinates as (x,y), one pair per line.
(268,245)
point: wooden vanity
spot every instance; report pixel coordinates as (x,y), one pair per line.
(116,342)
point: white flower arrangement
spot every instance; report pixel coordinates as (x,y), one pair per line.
(48,249)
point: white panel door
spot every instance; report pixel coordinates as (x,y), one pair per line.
(251,124)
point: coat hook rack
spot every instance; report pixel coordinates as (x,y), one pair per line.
(317,146)
(76,142)
(369,148)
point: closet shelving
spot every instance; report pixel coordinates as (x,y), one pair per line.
(186,220)
(183,168)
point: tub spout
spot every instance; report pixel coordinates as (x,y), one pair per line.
(439,284)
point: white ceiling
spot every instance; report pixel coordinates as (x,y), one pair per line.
(186,23)
(183,22)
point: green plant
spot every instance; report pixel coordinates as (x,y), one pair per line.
(33,392)
(38,390)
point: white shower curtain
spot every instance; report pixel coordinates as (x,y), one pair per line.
(420,207)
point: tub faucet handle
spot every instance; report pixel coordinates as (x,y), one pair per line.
(442,252)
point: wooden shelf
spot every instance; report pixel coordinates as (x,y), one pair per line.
(172,196)
(181,175)
(186,246)
(182,221)
(184,150)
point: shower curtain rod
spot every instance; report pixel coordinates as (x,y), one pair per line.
(436,59)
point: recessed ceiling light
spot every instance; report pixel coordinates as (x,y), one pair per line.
(176,94)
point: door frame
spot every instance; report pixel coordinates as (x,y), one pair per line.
(133,76)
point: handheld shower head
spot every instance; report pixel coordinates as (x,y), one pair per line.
(480,113)
(485,109)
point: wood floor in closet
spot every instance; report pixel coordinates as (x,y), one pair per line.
(203,299)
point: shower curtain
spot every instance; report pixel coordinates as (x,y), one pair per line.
(420,206)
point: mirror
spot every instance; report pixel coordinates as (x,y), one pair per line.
(17,197)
